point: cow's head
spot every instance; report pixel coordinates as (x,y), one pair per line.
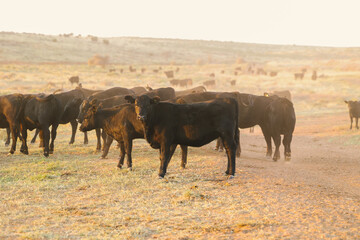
(144,105)
(84,107)
(88,122)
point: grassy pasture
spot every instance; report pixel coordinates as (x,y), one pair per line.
(73,194)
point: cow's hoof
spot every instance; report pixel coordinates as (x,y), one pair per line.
(230,177)
(24,151)
(238,154)
(86,142)
(275,159)
(7,143)
(12,151)
(103,157)
(183,166)
(46,154)
(287,159)
(161,175)
(119,166)
(71,142)
(130,169)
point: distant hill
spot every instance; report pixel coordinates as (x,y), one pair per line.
(38,48)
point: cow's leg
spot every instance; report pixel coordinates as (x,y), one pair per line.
(14,132)
(230,147)
(287,142)
(122,154)
(41,136)
(357,120)
(277,141)
(107,146)
(53,136)
(351,122)
(86,140)
(46,135)
(74,124)
(103,135)
(128,149)
(24,147)
(184,151)
(7,137)
(98,138)
(267,137)
(219,145)
(164,158)
(251,129)
(35,135)
(238,147)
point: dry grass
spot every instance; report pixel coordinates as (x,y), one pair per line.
(73,194)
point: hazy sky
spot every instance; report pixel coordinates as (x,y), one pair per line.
(301,22)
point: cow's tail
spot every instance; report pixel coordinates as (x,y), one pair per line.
(288,115)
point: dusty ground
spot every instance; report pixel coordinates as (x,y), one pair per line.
(74,194)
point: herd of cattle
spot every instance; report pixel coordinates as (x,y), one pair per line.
(164,117)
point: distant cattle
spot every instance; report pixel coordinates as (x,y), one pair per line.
(166,125)
(314,75)
(41,113)
(284,94)
(212,75)
(198,89)
(169,74)
(74,79)
(121,70)
(111,70)
(235,73)
(155,70)
(233,82)
(143,70)
(273,74)
(177,69)
(222,71)
(299,75)
(181,82)
(261,71)
(238,68)
(354,112)
(131,69)
(209,83)
(10,109)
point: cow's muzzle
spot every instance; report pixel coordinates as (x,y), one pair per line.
(141,118)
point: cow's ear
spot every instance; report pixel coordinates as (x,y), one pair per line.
(346,102)
(130,99)
(93,102)
(155,100)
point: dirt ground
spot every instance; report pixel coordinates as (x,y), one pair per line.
(75,195)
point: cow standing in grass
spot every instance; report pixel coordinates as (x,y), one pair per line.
(166,125)
(40,113)
(121,124)
(354,112)
(10,108)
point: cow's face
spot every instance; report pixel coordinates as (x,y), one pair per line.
(84,107)
(143,107)
(88,122)
(352,104)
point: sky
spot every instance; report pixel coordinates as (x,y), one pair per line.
(301,22)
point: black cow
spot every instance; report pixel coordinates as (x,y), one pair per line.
(354,112)
(10,108)
(41,113)
(119,123)
(111,92)
(70,102)
(198,89)
(167,124)
(164,93)
(275,116)
(138,90)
